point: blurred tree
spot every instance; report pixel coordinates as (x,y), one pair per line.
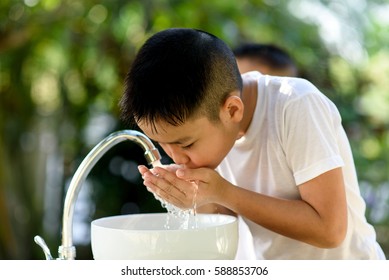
(62,65)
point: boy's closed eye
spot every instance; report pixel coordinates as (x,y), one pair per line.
(187,146)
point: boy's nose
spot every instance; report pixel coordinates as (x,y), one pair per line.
(179,157)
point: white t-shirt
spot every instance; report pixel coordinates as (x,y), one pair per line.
(295,135)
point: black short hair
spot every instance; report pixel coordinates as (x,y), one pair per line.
(178,73)
(269,54)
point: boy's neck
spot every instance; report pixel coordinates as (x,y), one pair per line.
(249,97)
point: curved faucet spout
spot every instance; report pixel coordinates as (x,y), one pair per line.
(67,250)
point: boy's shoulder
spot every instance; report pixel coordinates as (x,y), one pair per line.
(280,83)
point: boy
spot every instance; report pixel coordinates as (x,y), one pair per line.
(265,58)
(268,149)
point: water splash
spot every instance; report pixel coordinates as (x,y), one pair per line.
(178,218)
(194,205)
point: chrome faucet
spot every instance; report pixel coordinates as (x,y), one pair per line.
(67,250)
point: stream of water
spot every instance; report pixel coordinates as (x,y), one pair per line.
(178,218)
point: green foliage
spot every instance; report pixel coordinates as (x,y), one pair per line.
(62,65)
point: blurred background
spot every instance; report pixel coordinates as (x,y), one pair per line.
(62,66)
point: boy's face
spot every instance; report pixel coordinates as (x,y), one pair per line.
(198,142)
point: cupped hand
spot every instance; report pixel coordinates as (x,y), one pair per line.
(164,183)
(184,187)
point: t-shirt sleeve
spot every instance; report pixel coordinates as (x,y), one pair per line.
(310,126)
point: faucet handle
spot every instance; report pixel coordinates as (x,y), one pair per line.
(39,240)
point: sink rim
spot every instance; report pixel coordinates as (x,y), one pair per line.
(221,221)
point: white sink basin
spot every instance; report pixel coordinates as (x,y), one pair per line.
(144,236)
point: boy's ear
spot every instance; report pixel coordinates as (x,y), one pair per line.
(233,108)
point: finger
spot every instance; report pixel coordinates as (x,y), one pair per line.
(142,169)
(188,188)
(172,182)
(168,194)
(165,196)
(199,174)
(164,183)
(172,167)
(170,188)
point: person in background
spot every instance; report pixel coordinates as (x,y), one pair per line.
(266,58)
